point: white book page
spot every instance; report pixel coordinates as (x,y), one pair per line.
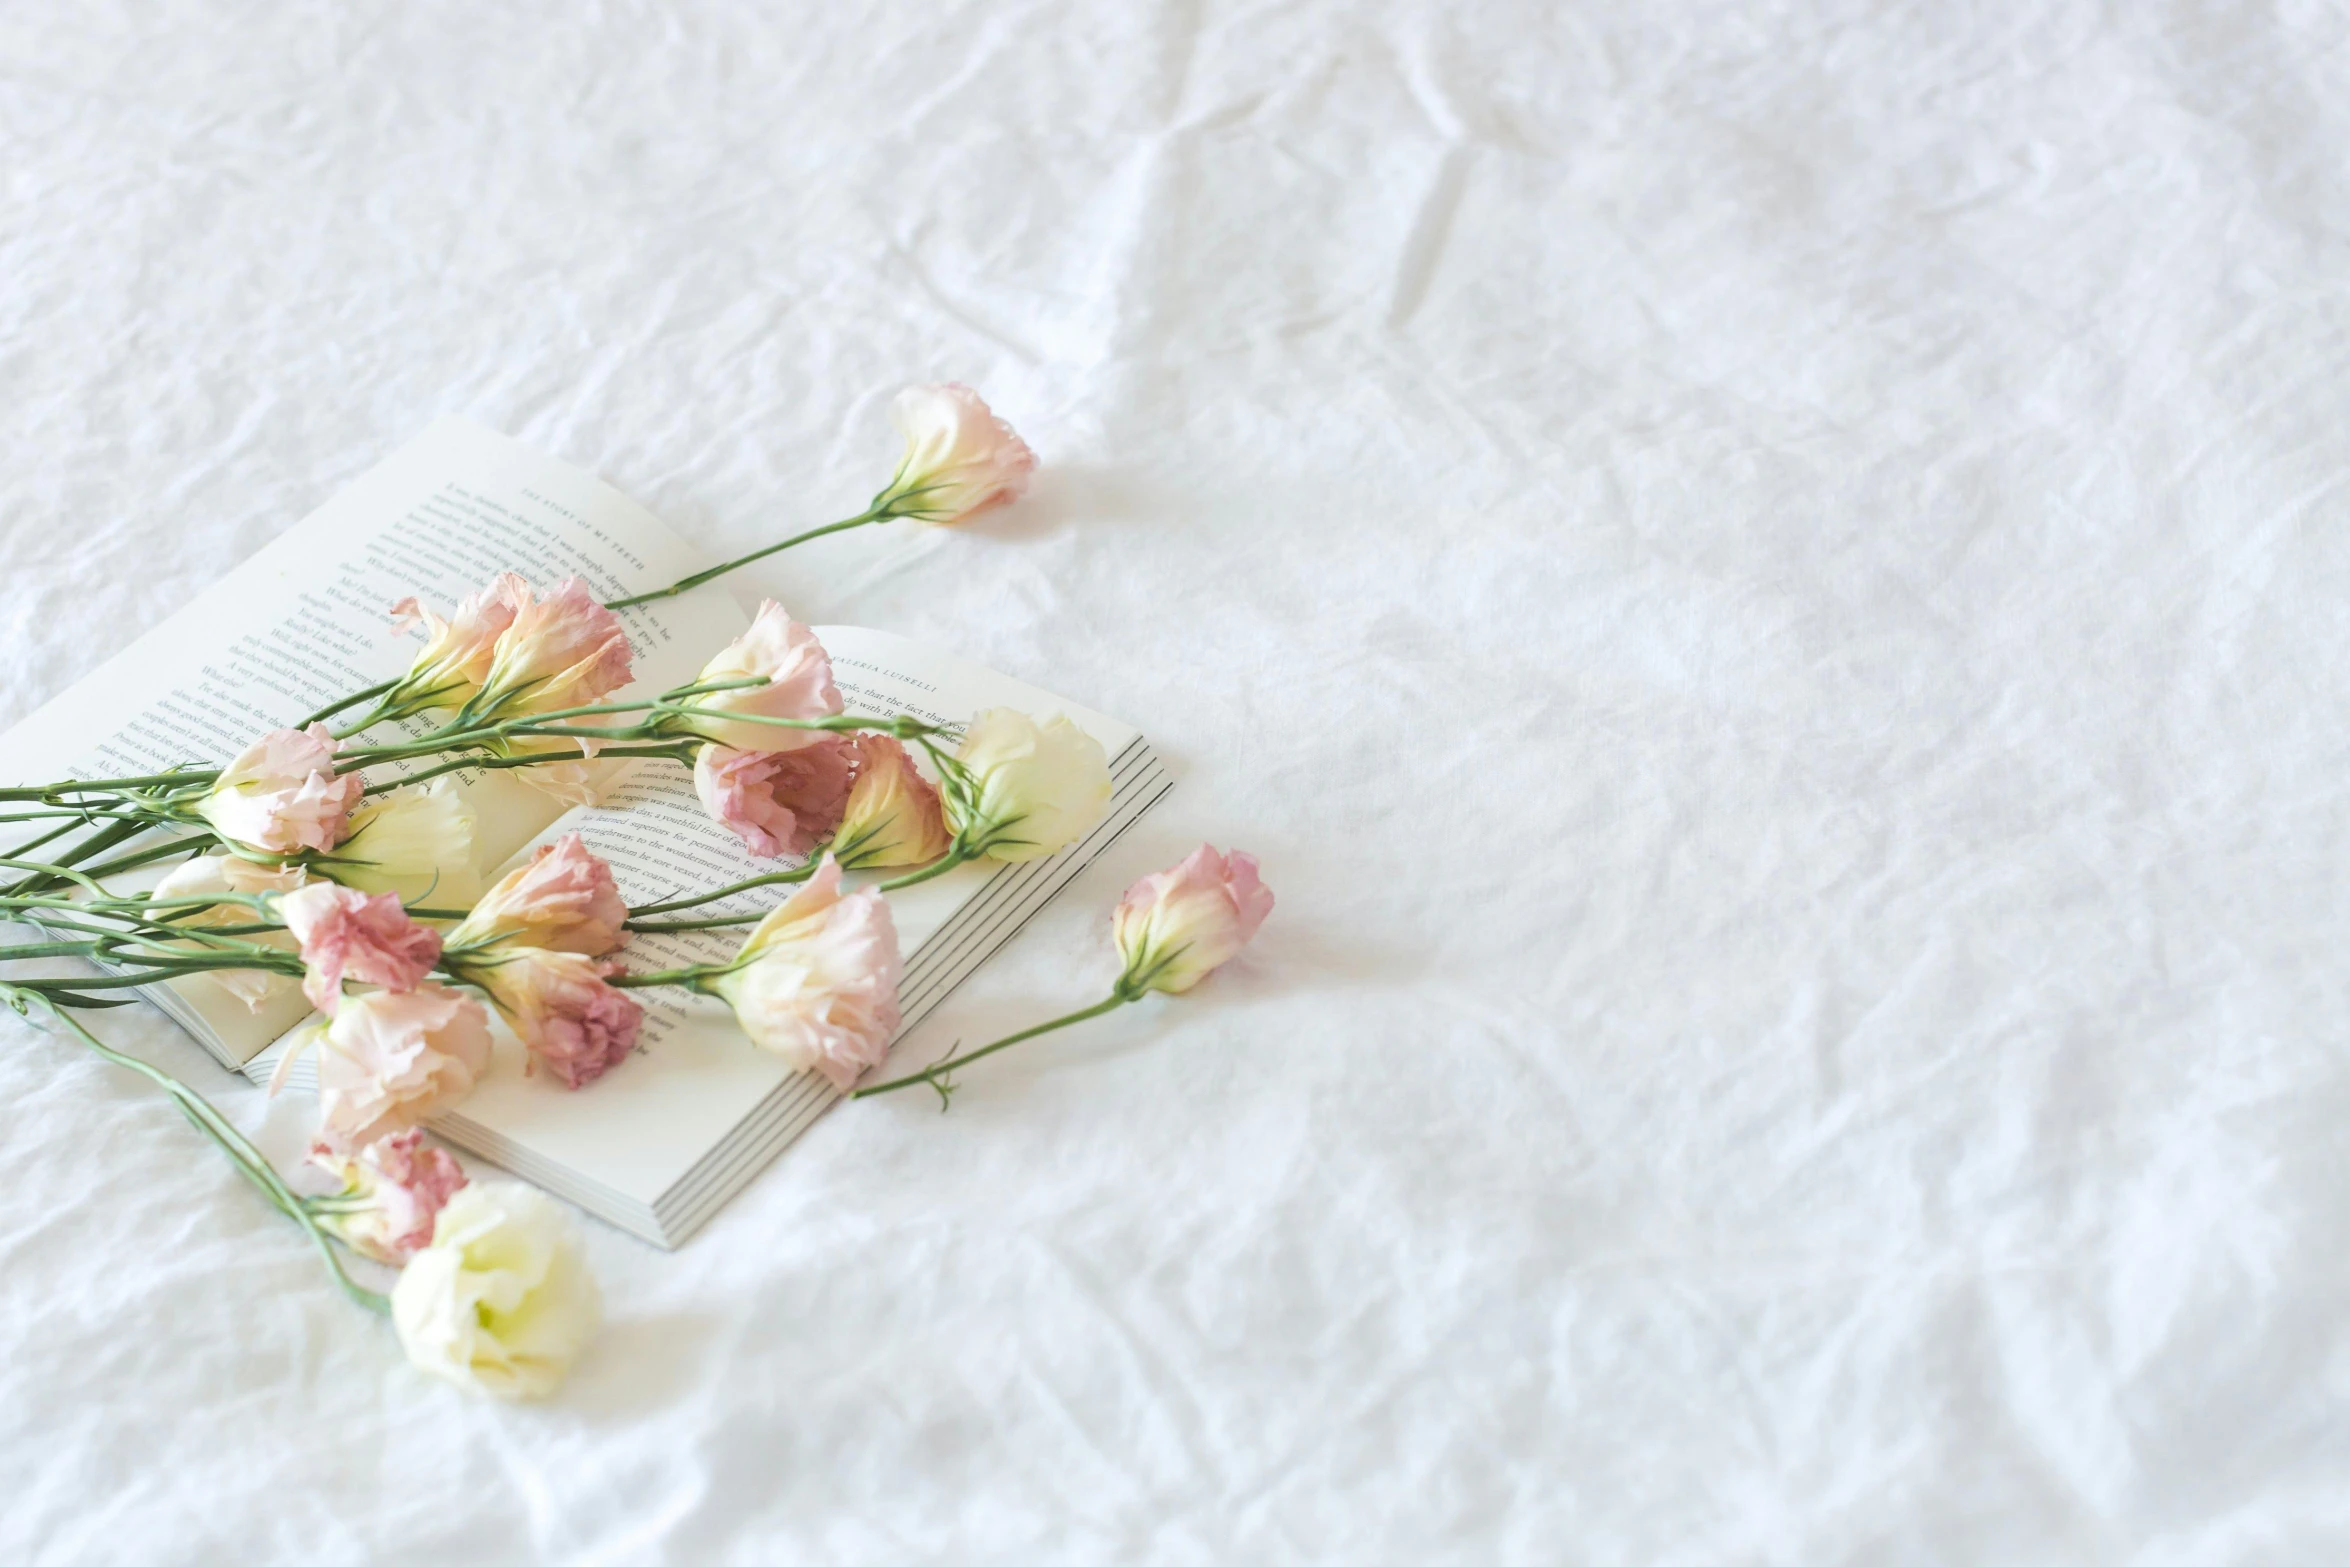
(642,1127)
(306,621)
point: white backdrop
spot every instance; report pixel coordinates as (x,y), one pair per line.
(1767,582)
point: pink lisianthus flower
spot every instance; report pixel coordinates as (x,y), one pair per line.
(391,1059)
(960,458)
(563,899)
(778,802)
(560,1007)
(281,794)
(458,650)
(565,650)
(819,984)
(785,654)
(1175,928)
(391,1192)
(893,816)
(346,934)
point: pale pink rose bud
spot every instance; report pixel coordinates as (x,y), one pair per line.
(798,675)
(213,874)
(391,1191)
(565,650)
(345,934)
(821,987)
(458,650)
(893,816)
(1176,927)
(559,1006)
(960,458)
(777,802)
(563,899)
(281,794)
(393,1058)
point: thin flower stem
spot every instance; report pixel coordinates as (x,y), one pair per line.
(194,842)
(248,1159)
(689,978)
(772,879)
(492,763)
(351,701)
(700,577)
(938,867)
(932,1074)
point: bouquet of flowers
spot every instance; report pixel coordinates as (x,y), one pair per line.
(301,862)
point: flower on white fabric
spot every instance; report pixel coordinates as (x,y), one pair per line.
(502,1301)
(960,458)
(1175,928)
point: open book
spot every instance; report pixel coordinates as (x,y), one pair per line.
(657,1145)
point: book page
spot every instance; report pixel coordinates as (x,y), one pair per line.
(641,1128)
(306,621)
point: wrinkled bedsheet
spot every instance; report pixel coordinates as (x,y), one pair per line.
(1767,582)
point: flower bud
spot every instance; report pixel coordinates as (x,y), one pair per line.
(416,841)
(1031,788)
(457,651)
(282,795)
(563,899)
(1173,929)
(820,987)
(960,458)
(786,655)
(893,816)
(391,1191)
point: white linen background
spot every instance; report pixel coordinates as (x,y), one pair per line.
(1766,580)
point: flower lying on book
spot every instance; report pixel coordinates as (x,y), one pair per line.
(340,854)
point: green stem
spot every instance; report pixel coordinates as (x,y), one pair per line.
(955,1063)
(700,577)
(938,867)
(241,1152)
(351,701)
(161,851)
(772,879)
(491,763)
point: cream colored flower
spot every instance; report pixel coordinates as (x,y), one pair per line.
(417,842)
(502,1301)
(1031,788)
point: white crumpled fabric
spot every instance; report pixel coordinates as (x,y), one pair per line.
(1767,581)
